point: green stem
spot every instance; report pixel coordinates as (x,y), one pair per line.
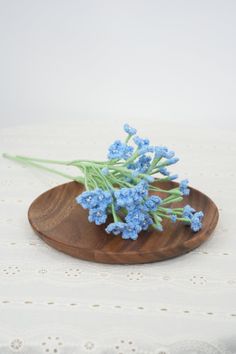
(58,162)
(85,179)
(153,164)
(30,163)
(127,139)
(156,189)
(174,200)
(169,217)
(115,217)
(132,158)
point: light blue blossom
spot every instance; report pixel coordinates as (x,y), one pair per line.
(173,218)
(96,198)
(135,173)
(129,130)
(119,150)
(136,215)
(116,150)
(183,186)
(128,151)
(141,143)
(87,199)
(171,161)
(124,197)
(173,177)
(163,151)
(146,222)
(149,178)
(141,190)
(104,198)
(153,202)
(136,210)
(116,228)
(131,231)
(164,171)
(97,215)
(146,149)
(139,216)
(129,197)
(143,163)
(105,171)
(196,221)
(188,212)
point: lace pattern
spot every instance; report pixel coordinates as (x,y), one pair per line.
(53,303)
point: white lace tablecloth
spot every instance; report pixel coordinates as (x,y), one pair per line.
(53,303)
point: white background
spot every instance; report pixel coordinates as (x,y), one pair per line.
(120,60)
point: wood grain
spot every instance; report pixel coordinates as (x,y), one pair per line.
(64,225)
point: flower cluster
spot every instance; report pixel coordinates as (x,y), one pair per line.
(123,188)
(97,202)
(194,217)
(127,189)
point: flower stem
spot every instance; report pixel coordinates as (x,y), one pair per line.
(38,160)
(115,217)
(30,163)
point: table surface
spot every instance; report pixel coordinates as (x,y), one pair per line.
(53,303)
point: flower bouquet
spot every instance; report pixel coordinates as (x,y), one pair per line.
(127,187)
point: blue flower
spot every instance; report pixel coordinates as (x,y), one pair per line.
(143,163)
(146,149)
(129,197)
(140,190)
(129,130)
(136,215)
(119,150)
(128,151)
(132,166)
(97,215)
(131,231)
(124,197)
(184,187)
(105,171)
(173,218)
(195,218)
(87,199)
(153,202)
(96,198)
(164,171)
(196,221)
(116,150)
(146,222)
(188,212)
(149,179)
(104,198)
(116,228)
(173,177)
(135,173)
(162,151)
(171,161)
(141,143)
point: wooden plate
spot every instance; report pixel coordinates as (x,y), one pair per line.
(64,225)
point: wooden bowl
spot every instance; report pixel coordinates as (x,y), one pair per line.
(64,225)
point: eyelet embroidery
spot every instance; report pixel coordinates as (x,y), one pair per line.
(51,345)
(16,344)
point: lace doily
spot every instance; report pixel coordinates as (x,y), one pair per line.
(53,303)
